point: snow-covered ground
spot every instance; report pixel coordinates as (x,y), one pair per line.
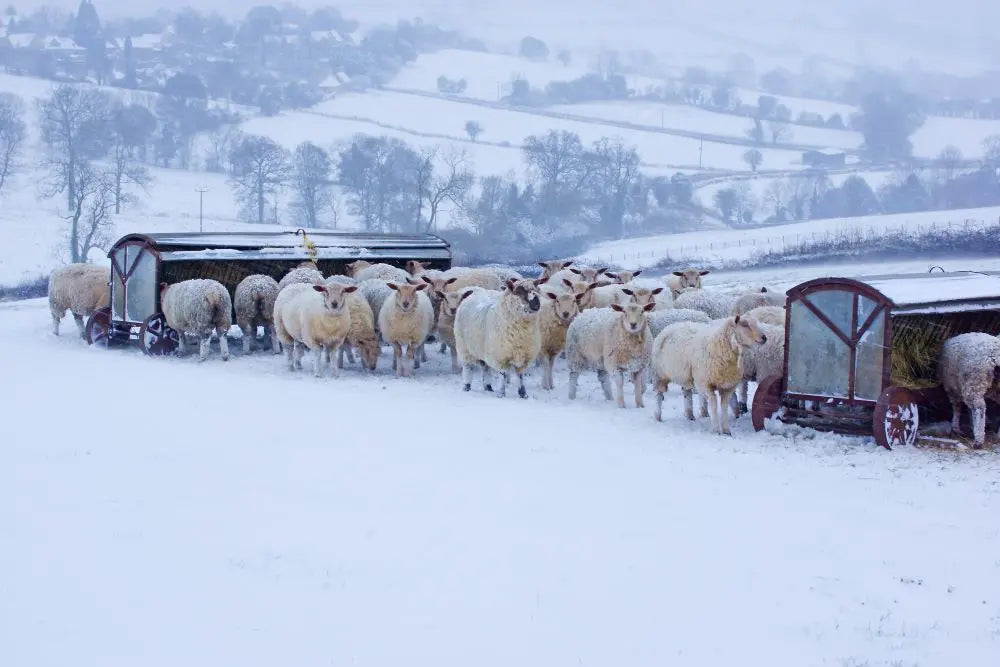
(737,244)
(163,512)
(965,134)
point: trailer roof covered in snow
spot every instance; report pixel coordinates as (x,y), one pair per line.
(290,245)
(921,293)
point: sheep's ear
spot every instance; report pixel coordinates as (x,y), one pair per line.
(566,264)
(392,286)
(544,265)
(510,284)
(593,285)
(163,286)
(600,271)
(466,294)
(579,297)
(763,290)
(551,295)
(427,280)
(614,276)
(577,272)
(703,273)
(350,288)
(657,290)
(679,274)
(616,307)
(418,288)
(319,288)
(736,320)
(628,291)
(635,273)
(538,281)
(649,306)
(567,282)
(450,281)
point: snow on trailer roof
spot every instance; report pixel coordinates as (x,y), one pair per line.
(925,293)
(288,244)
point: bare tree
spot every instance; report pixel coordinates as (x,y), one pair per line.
(221,144)
(753,158)
(90,218)
(260,168)
(949,159)
(613,183)
(756,133)
(779,131)
(746,201)
(73,125)
(776,195)
(451,184)
(473,129)
(12,132)
(311,167)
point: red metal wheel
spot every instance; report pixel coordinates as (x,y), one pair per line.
(98,329)
(766,401)
(156,338)
(896,418)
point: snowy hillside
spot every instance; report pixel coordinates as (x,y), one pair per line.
(346,526)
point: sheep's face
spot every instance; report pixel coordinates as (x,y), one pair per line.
(633,316)
(582,290)
(370,350)
(526,295)
(353,268)
(413,267)
(438,287)
(406,295)
(335,295)
(748,332)
(566,306)
(450,301)
(590,275)
(623,277)
(642,295)
(690,278)
(552,267)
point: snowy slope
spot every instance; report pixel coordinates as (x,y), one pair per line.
(235,514)
(713,245)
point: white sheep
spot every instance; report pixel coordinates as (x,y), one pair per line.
(969,371)
(679,281)
(623,277)
(361,334)
(79,288)
(575,273)
(458,278)
(499,331)
(304,274)
(253,302)
(661,319)
(406,320)
(605,295)
(198,307)
(557,312)
(773,315)
(362,270)
(758,362)
(703,357)
(613,341)
(341,280)
(757,299)
(716,303)
(445,325)
(552,267)
(315,317)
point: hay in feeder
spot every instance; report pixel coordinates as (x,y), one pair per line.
(917,341)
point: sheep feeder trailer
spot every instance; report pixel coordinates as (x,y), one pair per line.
(140,262)
(861,355)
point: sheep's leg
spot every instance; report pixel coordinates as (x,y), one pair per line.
(602,377)
(724,397)
(688,403)
(338,353)
(80,326)
(300,350)
(223,342)
(290,353)
(487,385)
(704,404)
(521,391)
(421,354)
(466,377)
(744,387)
(454,359)
(275,342)
(956,416)
(658,412)
(713,409)
(574,378)
(206,341)
(55,321)
(639,385)
(443,348)
(546,359)
(397,359)
(503,382)
(620,388)
(978,410)
(412,360)
(248,333)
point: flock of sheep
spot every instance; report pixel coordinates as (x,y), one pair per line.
(708,341)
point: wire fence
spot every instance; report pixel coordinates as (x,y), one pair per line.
(751,245)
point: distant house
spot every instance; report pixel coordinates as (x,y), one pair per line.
(824,158)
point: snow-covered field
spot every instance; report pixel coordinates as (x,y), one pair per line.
(799,104)
(163,512)
(965,134)
(736,244)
